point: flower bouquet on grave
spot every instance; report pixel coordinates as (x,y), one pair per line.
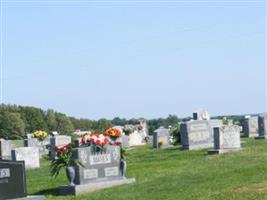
(160,143)
(65,161)
(40,135)
(113,134)
(96,141)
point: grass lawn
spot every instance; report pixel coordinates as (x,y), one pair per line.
(177,174)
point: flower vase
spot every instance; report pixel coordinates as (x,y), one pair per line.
(123,167)
(70,172)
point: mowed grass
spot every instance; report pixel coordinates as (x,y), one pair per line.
(176,174)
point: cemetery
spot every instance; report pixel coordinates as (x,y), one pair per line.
(133,100)
(98,165)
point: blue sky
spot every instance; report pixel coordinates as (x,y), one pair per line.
(130,59)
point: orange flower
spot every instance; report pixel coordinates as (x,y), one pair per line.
(113,132)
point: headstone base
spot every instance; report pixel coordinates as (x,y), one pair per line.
(252,135)
(261,137)
(90,187)
(197,147)
(221,151)
(35,197)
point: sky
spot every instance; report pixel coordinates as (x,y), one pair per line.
(103,59)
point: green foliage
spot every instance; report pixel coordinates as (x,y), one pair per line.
(33,118)
(102,125)
(64,159)
(11,125)
(64,125)
(175,133)
(15,121)
(171,120)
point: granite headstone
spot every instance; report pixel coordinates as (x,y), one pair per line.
(13,181)
(41,145)
(161,138)
(100,170)
(250,127)
(226,138)
(262,122)
(5,149)
(30,155)
(58,141)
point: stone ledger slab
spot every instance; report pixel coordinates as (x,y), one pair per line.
(90,187)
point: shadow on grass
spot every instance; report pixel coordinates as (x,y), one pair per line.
(50,191)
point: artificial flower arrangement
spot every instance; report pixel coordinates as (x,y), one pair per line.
(113,132)
(160,143)
(40,135)
(95,140)
(64,160)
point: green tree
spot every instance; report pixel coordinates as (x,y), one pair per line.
(51,120)
(102,125)
(64,125)
(33,118)
(11,125)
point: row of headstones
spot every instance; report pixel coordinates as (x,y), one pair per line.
(33,150)
(201,134)
(206,133)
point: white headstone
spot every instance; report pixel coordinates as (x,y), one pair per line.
(30,155)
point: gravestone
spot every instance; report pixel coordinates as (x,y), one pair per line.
(161,138)
(58,141)
(215,123)
(125,141)
(262,122)
(226,139)
(5,149)
(101,170)
(30,155)
(136,139)
(250,127)
(196,134)
(13,181)
(41,145)
(201,115)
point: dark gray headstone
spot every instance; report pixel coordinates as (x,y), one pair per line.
(12,179)
(161,135)
(5,149)
(226,138)
(263,125)
(250,127)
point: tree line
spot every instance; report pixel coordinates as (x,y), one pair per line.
(16,121)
